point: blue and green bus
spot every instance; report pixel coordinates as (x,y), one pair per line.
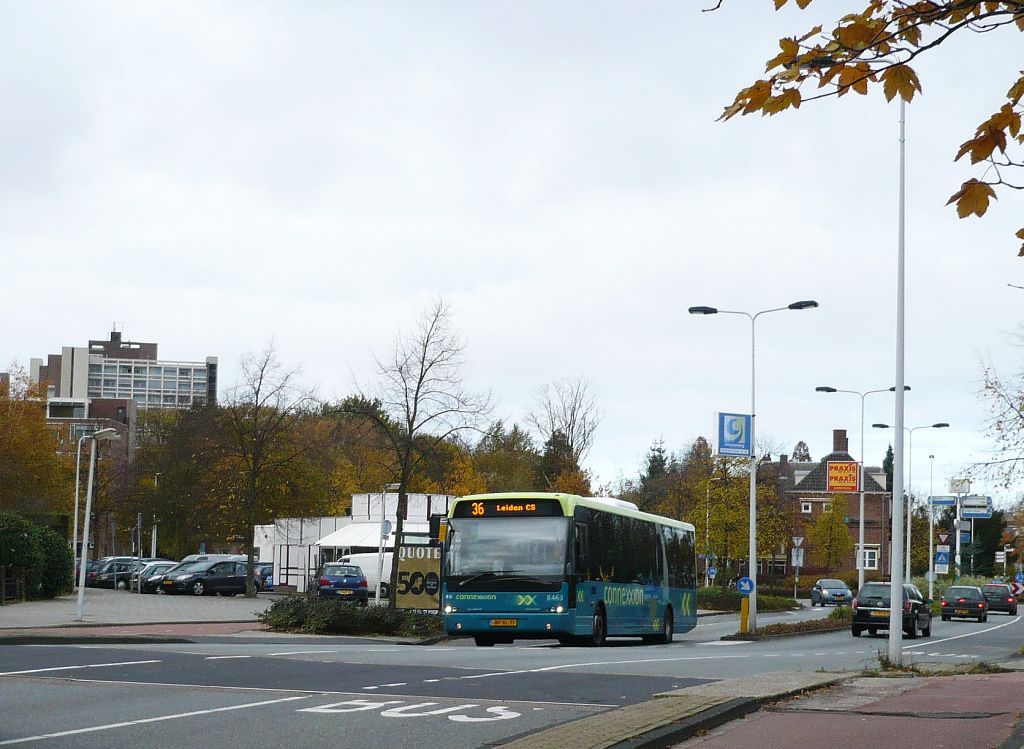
(558,566)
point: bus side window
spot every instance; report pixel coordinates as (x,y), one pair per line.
(581,562)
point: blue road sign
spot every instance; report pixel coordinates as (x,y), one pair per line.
(712,571)
(734,434)
(944,500)
(942,557)
(1020,578)
(745,586)
(965,537)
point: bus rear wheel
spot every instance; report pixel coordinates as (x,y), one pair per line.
(599,629)
(667,629)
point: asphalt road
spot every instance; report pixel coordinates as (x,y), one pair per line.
(303,692)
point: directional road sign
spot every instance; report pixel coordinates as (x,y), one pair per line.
(1017,588)
(745,586)
(976,513)
(942,569)
(976,500)
(712,571)
(942,500)
(942,547)
(1020,578)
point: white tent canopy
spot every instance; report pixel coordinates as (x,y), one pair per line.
(365,535)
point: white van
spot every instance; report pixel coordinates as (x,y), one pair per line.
(368,564)
(214,558)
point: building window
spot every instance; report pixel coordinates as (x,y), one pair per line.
(805,508)
(871,557)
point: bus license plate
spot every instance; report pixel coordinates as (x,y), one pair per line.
(878,612)
(504,622)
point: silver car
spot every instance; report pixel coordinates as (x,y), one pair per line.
(829,591)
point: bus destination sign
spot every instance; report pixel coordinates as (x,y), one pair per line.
(493,508)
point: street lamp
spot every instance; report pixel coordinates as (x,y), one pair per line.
(752,550)
(380,541)
(910,478)
(707,529)
(111,435)
(860,534)
(931,527)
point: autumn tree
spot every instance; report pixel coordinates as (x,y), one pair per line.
(876,46)
(506,458)
(1005,423)
(267,446)
(33,477)
(423,402)
(566,406)
(828,538)
(653,485)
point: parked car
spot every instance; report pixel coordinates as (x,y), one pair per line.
(964,601)
(871,610)
(202,578)
(999,597)
(344,581)
(111,572)
(151,573)
(830,591)
(367,562)
(264,575)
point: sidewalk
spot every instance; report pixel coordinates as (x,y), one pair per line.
(974,710)
(117,607)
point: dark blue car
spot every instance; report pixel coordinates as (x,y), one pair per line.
(345,582)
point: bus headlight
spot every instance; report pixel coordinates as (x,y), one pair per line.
(449,609)
(557,609)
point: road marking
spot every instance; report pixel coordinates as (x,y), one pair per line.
(69,668)
(224,657)
(396,684)
(302,652)
(158,718)
(968,634)
(316,692)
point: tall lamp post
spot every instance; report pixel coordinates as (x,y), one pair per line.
(860,533)
(931,527)
(383,532)
(910,478)
(707,529)
(752,549)
(111,435)
(74,531)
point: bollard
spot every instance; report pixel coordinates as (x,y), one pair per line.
(744,614)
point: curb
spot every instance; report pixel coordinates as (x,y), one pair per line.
(90,625)
(781,635)
(690,726)
(93,640)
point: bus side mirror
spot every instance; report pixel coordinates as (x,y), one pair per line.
(568,569)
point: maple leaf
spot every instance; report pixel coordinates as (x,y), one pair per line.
(902,80)
(972,197)
(1020,235)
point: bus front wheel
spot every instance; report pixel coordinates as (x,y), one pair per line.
(599,628)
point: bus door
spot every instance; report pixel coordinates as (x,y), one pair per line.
(578,588)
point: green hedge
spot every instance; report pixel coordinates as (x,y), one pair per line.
(325,616)
(35,554)
(718,599)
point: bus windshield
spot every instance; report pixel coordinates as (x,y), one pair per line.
(507,547)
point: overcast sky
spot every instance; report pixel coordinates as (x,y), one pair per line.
(214,175)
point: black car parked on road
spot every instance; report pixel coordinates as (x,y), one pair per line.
(203,578)
(871,610)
